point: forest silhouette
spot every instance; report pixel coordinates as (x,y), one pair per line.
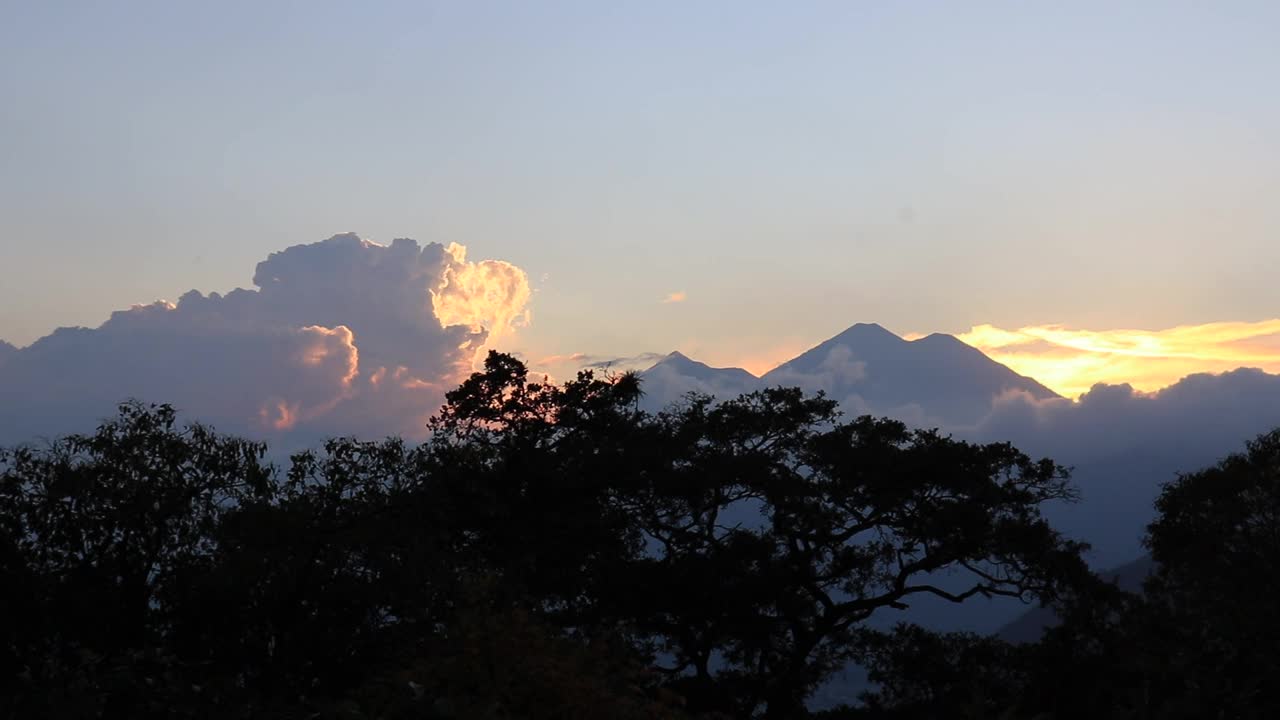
(554,551)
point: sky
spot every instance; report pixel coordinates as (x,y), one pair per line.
(1057,184)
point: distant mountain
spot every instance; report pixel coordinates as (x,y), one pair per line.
(676,375)
(6,351)
(932,380)
(935,380)
(682,364)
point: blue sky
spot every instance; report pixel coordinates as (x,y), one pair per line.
(791,167)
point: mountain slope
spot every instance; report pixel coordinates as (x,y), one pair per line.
(676,375)
(932,380)
(680,363)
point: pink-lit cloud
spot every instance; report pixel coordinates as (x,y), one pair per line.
(340,336)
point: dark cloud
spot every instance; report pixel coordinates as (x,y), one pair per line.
(341,336)
(1124,445)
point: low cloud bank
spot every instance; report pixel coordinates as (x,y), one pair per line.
(1125,444)
(342,336)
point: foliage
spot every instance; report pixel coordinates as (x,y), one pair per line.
(553,551)
(1216,543)
(1201,641)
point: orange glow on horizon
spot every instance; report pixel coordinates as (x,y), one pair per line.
(1070,361)
(756,362)
(760,363)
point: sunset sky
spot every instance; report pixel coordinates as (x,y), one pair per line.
(1085,191)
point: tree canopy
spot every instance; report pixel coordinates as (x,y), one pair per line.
(1200,641)
(554,551)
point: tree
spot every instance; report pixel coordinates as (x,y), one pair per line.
(100,533)
(550,544)
(499,662)
(749,539)
(1216,543)
(922,674)
(1201,641)
(529,475)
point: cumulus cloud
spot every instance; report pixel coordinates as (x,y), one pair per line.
(1072,360)
(490,295)
(340,336)
(675,297)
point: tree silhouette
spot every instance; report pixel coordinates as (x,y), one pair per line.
(101,536)
(749,539)
(551,551)
(1201,641)
(1216,542)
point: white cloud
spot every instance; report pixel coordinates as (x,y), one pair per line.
(342,336)
(839,367)
(664,385)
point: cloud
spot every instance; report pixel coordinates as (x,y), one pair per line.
(599,362)
(664,385)
(678,296)
(490,294)
(577,359)
(341,336)
(837,369)
(1124,444)
(564,366)
(628,362)
(1192,417)
(1071,360)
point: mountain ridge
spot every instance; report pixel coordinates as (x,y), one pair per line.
(694,368)
(936,379)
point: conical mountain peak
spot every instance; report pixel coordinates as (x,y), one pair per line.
(868,332)
(938,377)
